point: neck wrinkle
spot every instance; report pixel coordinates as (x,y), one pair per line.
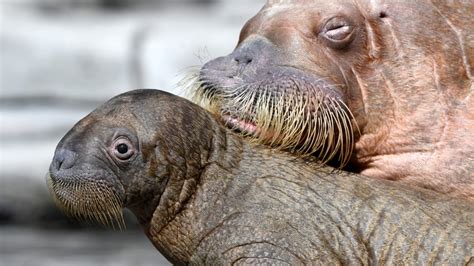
(212,146)
(225,149)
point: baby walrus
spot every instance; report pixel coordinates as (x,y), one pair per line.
(194,188)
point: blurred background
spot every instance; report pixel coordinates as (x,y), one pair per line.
(59,59)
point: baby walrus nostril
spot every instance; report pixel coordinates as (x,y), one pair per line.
(63,159)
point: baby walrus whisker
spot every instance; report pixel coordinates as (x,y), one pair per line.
(204,195)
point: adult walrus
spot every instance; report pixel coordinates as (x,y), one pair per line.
(196,191)
(383,87)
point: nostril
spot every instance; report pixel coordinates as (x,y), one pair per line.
(63,159)
(246,61)
(243,60)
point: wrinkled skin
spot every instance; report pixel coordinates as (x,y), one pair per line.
(403,69)
(196,191)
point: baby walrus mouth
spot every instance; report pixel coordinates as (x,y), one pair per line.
(204,196)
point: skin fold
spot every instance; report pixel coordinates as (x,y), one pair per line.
(206,196)
(381,88)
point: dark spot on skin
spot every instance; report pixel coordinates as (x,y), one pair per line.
(383,14)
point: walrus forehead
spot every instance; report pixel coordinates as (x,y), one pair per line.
(307,11)
(306,3)
(289,2)
(280,3)
(273,7)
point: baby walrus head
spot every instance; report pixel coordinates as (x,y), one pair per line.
(125,153)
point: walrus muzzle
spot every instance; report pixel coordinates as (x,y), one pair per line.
(87,196)
(281,106)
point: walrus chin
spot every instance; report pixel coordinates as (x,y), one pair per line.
(89,201)
(305,116)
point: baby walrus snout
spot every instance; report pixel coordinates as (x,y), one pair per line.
(124,152)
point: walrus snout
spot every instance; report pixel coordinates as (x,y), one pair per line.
(82,186)
(228,71)
(84,190)
(259,92)
(63,159)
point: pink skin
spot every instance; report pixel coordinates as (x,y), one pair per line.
(247,127)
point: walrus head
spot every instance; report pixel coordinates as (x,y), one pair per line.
(285,83)
(260,93)
(128,153)
(370,82)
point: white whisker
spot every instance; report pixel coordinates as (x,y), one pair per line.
(299,118)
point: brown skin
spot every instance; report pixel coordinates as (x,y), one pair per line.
(404,71)
(196,191)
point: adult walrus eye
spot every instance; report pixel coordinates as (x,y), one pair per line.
(123,149)
(338,32)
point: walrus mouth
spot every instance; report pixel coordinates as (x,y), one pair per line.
(304,116)
(246,127)
(88,201)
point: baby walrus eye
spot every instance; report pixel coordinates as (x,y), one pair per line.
(122,149)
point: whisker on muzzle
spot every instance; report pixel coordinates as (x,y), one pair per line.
(303,120)
(88,201)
